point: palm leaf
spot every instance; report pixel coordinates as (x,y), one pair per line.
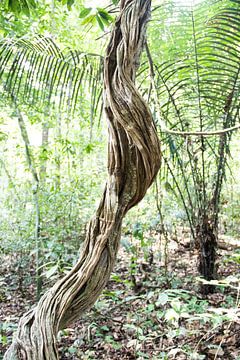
(212,64)
(40,74)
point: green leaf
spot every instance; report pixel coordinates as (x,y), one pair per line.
(49,273)
(14,6)
(32,4)
(20,6)
(3,339)
(105,328)
(72,350)
(3,136)
(100,23)
(89,20)
(162,299)
(105,15)
(85,12)
(69,4)
(89,148)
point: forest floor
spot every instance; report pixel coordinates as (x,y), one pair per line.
(151,309)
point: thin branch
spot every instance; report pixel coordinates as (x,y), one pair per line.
(201,133)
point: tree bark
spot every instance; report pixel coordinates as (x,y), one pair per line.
(207,244)
(133,162)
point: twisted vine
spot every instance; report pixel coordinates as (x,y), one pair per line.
(133,162)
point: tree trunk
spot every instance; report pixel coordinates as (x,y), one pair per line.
(207,245)
(35,186)
(44,148)
(133,162)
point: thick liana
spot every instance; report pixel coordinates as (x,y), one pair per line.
(133,162)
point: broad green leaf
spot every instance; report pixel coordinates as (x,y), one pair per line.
(91,19)
(105,15)
(85,12)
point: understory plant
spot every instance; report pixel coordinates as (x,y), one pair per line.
(196,100)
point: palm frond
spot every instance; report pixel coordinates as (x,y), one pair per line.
(40,74)
(207,76)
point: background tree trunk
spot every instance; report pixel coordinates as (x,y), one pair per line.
(207,245)
(133,162)
(35,190)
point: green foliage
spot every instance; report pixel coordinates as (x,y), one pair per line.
(45,75)
(5,329)
(69,3)
(197,86)
(96,16)
(20,6)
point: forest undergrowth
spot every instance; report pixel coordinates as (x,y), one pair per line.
(151,309)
